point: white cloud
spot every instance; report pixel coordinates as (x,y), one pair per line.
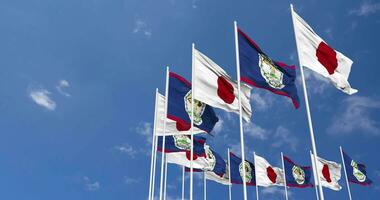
(283,137)
(62,84)
(41,97)
(194,4)
(329,33)
(145,129)
(356,116)
(256,131)
(279,191)
(142,28)
(127,149)
(315,83)
(366,8)
(91,185)
(262,100)
(218,127)
(129,180)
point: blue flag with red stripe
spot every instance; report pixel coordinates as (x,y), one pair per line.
(181,143)
(258,70)
(356,173)
(236,167)
(297,176)
(179,106)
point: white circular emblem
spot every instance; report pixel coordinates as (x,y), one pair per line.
(211,160)
(248,171)
(199,108)
(298,174)
(182,142)
(270,73)
(360,176)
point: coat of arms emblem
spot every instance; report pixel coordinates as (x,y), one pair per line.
(199,108)
(298,174)
(248,171)
(360,176)
(182,142)
(270,73)
(211,160)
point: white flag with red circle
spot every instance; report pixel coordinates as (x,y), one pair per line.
(329,173)
(213,86)
(266,174)
(315,54)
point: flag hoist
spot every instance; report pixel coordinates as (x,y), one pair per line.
(314,148)
(164,131)
(153,153)
(192,122)
(240,110)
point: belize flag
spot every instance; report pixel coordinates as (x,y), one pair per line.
(356,173)
(236,167)
(297,176)
(179,107)
(258,70)
(178,147)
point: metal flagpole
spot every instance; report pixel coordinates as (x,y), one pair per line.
(229,175)
(153,150)
(183,182)
(154,166)
(240,110)
(283,171)
(204,186)
(345,172)
(166,177)
(164,132)
(307,109)
(314,176)
(257,187)
(192,122)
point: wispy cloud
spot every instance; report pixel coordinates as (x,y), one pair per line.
(256,131)
(194,4)
(141,27)
(316,83)
(62,85)
(145,129)
(130,180)
(355,115)
(91,185)
(270,191)
(41,97)
(218,127)
(283,137)
(127,149)
(262,100)
(366,8)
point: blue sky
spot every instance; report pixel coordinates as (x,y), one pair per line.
(78,78)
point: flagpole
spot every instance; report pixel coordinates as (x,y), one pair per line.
(240,110)
(345,172)
(183,182)
(307,109)
(164,131)
(166,177)
(154,166)
(229,175)
(153,150)
(192,121)
(314,176)
(204,186)
(283,169)
(257,187)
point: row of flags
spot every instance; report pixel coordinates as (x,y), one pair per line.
(188,109)
(214,88)
(260,172)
